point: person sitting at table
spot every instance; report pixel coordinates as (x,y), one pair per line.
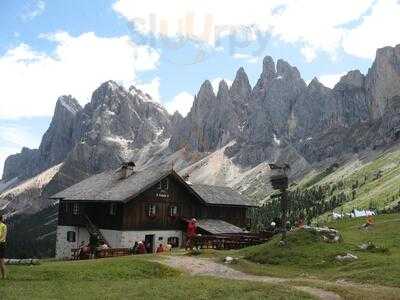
(141,248)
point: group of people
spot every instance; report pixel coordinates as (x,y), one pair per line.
(90,250)
(143,248)
(3,237)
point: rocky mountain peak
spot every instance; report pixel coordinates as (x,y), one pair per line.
(269,70)
(241,88)
(67,103)
(383,79)
(388,53)
(106,93)
(223,90)
(206,89)
(285,70)
(204,98)
(240,76)
(353,78)
(315,83)
(134,91)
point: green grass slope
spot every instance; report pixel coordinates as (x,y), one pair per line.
(307,256)
(360,175)
(128,278)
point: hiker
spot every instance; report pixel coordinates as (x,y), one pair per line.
(3,236)
(300,223)
(160,248)
(369,223)
(84,252)
(134,249)
(168,248)
(149,248)
(93,244)
(141,248)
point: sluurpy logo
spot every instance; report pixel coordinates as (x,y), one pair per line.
(200,34)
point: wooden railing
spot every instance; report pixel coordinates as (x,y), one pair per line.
(111,252)
(229,241)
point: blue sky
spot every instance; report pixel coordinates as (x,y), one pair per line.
(168,48)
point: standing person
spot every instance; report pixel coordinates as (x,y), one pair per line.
(135,248)
(191,233)
(3,236)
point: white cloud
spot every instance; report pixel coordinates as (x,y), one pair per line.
(181,103)
(308,53)
(32,9)
(329,80)
(247,57)
(17,136)
(215,83)
(316,25)
(32,81)
(378,29)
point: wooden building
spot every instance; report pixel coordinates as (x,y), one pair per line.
(126,205)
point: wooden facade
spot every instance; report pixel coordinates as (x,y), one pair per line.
(162,206)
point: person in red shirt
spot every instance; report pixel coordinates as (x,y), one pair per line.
(141,248)
(191,228)
(191,232)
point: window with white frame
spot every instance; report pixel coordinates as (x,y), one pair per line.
(113,209)
(151,210)
(71,236)
(75,209)
(163,185)
(173,211)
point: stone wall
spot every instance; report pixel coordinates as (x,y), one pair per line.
(116,239)
(160,237)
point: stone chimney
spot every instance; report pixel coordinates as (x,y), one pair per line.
(126,170)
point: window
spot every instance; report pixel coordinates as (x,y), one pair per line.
(67,207)
(173,211)
(151,210)
(113,209)
(71,236)
(164,184)
(75,209)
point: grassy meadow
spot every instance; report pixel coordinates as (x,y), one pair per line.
(306,256)
(128,278)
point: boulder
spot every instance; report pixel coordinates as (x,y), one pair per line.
(328,235)
(346,257)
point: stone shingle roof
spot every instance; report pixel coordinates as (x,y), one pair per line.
(218,226)
(108,186)
(220,195)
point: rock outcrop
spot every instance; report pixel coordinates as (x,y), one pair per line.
(383,79)
(56,143)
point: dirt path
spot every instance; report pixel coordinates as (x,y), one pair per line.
(203,266)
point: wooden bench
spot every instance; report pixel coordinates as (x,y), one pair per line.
(75,253)
(112,252)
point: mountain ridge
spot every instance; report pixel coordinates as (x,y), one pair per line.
(280,117)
